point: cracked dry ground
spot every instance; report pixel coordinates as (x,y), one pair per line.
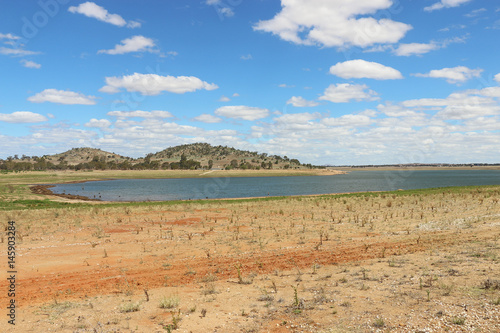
(403,262)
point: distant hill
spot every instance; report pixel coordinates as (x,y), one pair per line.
(222,157)
(189,156)
(83,155)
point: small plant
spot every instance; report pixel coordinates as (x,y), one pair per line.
(169,302)
(458,320)
(240,276)
(209,289)
(378,323)
(176,318)
(265,297)
(130,307)
(490,284)
(297,302)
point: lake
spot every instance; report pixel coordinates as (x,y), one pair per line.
(244,187)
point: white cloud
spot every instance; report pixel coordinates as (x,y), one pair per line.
(221,8)
(356,69)
(22,117)
(445,4)
(396,111)
(62,97)
(300,102)
(242,112)
(296,118)
(17,52)
(422,48)
(345,92)
(153,84)
(476,12)
(224,99)
(415,48)
(338,23)
(133,24)
(246,57)
(140,114)
(132,44)
(497,77)
(467,104)
(98,123)
(30,64)
(458,74)
(226,11)
(349,120)
(207,118)
(90,9)
(9,36)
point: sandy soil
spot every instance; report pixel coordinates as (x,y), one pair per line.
(380,263)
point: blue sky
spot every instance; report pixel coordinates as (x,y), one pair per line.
(325,81)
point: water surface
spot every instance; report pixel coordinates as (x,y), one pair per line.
(243,187)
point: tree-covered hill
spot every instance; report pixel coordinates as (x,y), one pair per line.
(189,156)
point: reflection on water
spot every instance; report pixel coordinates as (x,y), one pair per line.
(242,187)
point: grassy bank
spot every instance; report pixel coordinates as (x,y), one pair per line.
(19,197)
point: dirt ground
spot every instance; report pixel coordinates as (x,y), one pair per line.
(425,262)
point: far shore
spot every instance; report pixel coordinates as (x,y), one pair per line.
(71,176)
(411,168)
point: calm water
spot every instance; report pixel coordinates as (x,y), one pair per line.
(240,187)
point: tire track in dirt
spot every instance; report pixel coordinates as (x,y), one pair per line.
(131,276)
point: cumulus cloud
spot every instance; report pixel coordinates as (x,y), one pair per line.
(132,44)
(345,92)
(22,117)
(9,36)
(221,8)
(350,120)
(90,9)
(140,114)
(445,4)
(497,77)
(467,104)
(458,74)
(356,69)
(415,48)
(16,52)
(62,97)
(338,23)
(207,118)
(30,64)
(296,118)
(301,102)
(98,123)
(242,112)
(153,84)
(224,99)
(397,111)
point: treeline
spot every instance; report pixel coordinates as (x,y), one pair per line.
(97,163)
(106,161)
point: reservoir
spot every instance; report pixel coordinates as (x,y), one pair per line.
(244,187)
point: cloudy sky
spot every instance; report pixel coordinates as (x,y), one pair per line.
(325,81)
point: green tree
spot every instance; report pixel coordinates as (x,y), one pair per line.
(183,162)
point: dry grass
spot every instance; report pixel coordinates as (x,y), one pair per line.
(428,260)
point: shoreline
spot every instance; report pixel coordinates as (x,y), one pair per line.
(45,190)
